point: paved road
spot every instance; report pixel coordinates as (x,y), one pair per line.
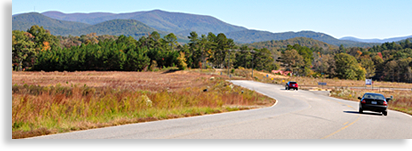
(297,115)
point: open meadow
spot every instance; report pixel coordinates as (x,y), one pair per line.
(54,102)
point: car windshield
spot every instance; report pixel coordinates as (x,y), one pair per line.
(373,96)
(292,82)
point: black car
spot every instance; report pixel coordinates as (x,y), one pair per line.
(374,102)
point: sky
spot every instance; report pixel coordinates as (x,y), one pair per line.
(364,19)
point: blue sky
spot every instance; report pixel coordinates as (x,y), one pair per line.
(339,18)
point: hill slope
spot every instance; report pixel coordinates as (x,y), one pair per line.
(250,36)
(178,23)
(25,21)
(118,27)
(303,41)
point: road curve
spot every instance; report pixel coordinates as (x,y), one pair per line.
(296,115)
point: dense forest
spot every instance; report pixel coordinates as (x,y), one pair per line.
(388,61)
(36,49)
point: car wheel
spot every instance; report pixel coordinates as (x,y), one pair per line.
(385,113)
(360,110)
(297,89)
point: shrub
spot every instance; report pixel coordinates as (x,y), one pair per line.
(181,61)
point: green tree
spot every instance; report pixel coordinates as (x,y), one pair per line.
(23,49)
(203,44)
(221,51)
(293,61)
(194,46)
(244,57)
(307,55)
(43,39)
(154,40)
(342,49)
(136,61)
(194,38)
(390,69)
(348,68)
(369,66)
(264,60)
(171,40)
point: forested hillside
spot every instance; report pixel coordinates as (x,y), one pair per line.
(250,36)
(178,23)
(302,41)
(116,27)
(57,27)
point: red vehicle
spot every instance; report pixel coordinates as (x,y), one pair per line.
(291,85)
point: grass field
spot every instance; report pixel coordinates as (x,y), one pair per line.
(54,102)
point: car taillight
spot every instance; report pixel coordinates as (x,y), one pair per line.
(363,101)
(384,103)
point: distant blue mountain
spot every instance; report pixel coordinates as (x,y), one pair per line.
(375,40)
(181,24)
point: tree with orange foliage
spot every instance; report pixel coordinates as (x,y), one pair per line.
(46,46)
(40,35)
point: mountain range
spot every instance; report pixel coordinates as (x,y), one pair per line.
(251,36)
(141,23)
(376,40)
(178,23)
(128,27)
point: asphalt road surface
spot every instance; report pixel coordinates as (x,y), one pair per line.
(296,115)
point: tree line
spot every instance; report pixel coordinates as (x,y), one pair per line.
(36,49)
(387,62)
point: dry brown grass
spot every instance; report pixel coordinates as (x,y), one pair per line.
(149,81)
(52,102)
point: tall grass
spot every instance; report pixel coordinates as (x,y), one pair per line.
(40,110)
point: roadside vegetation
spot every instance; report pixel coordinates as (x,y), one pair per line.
(402,99)
(54,102)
